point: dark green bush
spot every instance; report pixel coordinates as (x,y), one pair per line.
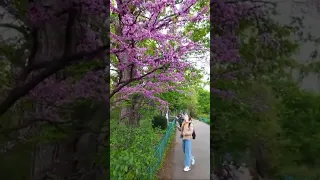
(160,122)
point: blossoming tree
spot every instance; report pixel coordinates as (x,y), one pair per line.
(149,46)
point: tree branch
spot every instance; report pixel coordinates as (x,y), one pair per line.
(117,89)
(28,123)
(20,91)
(20,29)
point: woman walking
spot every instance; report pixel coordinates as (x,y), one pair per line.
(187,131)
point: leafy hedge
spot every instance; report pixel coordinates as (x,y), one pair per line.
(132,150)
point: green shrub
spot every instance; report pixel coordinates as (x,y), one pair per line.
(132,150)
(160,122)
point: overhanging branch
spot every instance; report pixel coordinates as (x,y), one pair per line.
(125,83)
(53,67)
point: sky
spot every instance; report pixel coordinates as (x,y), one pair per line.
(203,63)
(285,9)
(311,82)
(7,33)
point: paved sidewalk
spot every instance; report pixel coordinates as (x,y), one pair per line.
(200,149)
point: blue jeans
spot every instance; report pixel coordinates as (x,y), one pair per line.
(186,147)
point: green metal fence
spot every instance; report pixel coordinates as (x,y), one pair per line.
(160,150)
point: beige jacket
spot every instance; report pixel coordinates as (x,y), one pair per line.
(186,131)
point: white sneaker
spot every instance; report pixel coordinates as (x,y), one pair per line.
(186,169)
(193,161)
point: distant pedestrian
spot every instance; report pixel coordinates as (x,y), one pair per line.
(180,119)
(187,133)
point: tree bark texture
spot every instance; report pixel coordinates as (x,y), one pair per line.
(130,113)
(71,158)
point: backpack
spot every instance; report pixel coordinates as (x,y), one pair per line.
(194,132)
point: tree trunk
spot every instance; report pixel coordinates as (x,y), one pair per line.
(51,45)
(70,158)
(134,110)
(129,113)
(261,161)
